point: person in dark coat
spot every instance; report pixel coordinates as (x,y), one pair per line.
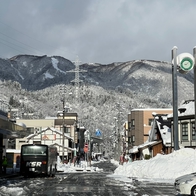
(4,164)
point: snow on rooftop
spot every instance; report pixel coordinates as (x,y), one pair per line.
(185,109)
(165,133)
(151,109)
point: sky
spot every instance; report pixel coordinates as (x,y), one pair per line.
(97,31)
(161,168)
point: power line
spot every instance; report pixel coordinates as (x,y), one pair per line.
(26,34)
(19,42)
(11,47)
(11,44)
(39,41)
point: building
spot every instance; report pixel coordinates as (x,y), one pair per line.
(9,129)
(50,131)
(186,125)
(139,124)
(159,140)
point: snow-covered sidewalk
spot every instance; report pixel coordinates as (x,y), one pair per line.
(82,167)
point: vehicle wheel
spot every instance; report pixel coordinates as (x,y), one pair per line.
(193,191)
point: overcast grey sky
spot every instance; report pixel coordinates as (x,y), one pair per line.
(98,31)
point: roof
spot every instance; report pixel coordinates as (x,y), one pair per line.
(187,108)
(45,129)
(57,144)
(165,134)
(151,109)
(136,149)
(64,121)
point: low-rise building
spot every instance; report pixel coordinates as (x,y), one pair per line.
(139,124)
(159,139)
(60,132)
(186,125)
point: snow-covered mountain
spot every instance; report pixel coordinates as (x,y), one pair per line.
(32,84)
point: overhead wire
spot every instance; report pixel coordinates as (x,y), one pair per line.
(11,44)
(19,42)
(73,53)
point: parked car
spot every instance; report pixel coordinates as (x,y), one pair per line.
(186,185)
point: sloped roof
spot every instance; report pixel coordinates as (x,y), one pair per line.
(187,108)
(57,144)
(136,149)
(165,134)
(45,129)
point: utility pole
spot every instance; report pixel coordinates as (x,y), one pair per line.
(63,91)
(194,55)
(175,97)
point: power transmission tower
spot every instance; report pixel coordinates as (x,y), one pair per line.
(77,77)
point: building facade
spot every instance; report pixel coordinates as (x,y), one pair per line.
(57,131)
(186,125)
(139,124)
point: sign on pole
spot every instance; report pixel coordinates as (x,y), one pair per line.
(186,62)
(98,133)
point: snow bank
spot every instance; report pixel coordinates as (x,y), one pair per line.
(169,166)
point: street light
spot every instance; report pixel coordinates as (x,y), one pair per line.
(184,62)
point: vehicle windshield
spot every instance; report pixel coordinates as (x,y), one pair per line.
(34,150)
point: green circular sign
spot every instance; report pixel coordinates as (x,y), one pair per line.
(186,64)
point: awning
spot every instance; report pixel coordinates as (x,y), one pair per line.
(10,129)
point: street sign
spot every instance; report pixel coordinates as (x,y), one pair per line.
(98,132)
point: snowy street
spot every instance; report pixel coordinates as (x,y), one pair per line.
(95,183)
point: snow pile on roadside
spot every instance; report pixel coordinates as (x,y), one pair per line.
(169,166)
(69,167)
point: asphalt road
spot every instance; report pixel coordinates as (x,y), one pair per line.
(84,184)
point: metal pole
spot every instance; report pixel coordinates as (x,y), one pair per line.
(194,55)
(175,98)
(63,130)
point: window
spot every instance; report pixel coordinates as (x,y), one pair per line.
(30,130)
(184,131)
(133,123)
(133,138)
(67,130)
(129,125)
(129,140)
(34,150)
(150,120)
(193,131)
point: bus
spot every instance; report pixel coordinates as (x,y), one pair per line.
(38,159)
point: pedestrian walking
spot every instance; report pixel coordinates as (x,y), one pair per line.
(121,161)
(4,164)
(78,160)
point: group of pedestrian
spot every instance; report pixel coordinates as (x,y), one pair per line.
(124,158)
